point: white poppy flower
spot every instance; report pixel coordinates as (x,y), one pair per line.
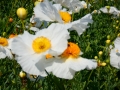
(72,5)
(110,9)
(55,13)
(115,54)
(4,48)
(69,62)
(30,49)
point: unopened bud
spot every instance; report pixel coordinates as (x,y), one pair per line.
(22,74)
(36,3)
(10,20)
(117,27)
(100,52)
(107,61)
(95,11)
(108,37)
(103,64)
(107,41)
(96,57)
(22,13)
(4,33)
(85,6)
(108,7)
(117,21)
(98,62)
(113,25)
(118,35)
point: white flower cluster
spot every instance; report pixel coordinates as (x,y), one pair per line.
(48,49)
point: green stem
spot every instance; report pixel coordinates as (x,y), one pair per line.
(23,26)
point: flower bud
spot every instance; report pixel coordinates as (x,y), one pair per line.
(36,3)
(117,27)
(95,11)
(113,25)
(10,20)
(108,37)
(103,64)
(117,21)
(118,35)
(22,13)
(107,41)
(95,57)
(22,74)
(108,7)
(100,52)
(4,33)
(108,61)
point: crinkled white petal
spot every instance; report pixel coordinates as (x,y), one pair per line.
(115,58)
(66,68)
(81,24)
(46,11)
(4,51)
(72,5)
(112,10)
(31,64)
(117,44)
(82,63)
(2,55)
(22,44)
(61,69)
(57,6)
(8,53)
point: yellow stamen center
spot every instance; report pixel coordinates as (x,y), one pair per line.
(49,56)
(72,50)
(117,50)
(41,44)
(66,17)
(12,35)
(3,42)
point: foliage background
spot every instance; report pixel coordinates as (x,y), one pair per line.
(91,42)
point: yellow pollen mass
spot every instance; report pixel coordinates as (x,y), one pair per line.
(66,17)
(3,42)
(49,56)
(72,50)
(12,35)
(41,44)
